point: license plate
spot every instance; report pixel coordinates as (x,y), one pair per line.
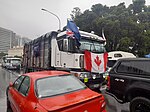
(103,87)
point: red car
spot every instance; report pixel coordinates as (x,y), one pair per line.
(52,91)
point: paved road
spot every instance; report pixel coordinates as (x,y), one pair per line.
(113,106)
(7,76)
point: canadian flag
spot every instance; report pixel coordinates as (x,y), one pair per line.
(69,33)
(95,62)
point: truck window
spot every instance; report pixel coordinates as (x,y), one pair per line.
(92,45)
(117,55)
(14,61)
(60,44)
(111,63)
(140,67)
(123,67)
(86,44)
(71,44)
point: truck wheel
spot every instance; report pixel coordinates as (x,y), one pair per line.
(140,104)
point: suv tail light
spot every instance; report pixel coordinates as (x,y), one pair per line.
(108,82)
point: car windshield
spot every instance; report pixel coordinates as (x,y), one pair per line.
(57,85)
(92,45)
(15,61)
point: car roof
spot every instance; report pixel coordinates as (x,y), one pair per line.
(130,59)
(42,74)
(111,55)
(13,58)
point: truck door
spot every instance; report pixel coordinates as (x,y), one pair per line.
(119,80)
(57,61)
(117,85)
(67,58)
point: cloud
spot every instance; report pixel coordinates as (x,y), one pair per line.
(26,18)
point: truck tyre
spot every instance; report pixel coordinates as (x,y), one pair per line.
(140,104)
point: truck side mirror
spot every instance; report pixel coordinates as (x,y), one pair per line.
(65,44)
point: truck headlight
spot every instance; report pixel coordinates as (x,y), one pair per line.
(84,75)
(94,76)
(105,74)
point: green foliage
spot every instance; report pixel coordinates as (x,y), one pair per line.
(75,13)
(138,6)
(124,27)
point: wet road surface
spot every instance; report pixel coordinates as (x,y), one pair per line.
(9,76)
(5,77)
(113,106)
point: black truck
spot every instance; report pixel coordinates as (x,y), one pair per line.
(129,81)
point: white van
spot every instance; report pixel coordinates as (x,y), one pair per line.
(13,63)
(115,55)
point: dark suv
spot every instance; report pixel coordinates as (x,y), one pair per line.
(129,81)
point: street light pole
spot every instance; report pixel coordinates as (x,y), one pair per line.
(55,16)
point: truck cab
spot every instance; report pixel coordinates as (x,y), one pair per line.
(59,51)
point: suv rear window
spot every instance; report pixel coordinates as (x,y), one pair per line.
(135,67)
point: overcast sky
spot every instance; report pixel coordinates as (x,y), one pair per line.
(26,18)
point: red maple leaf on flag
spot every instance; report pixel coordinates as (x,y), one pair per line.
(97,61)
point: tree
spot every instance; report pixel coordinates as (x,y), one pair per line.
(75,13)
(100,10)
(124,26)
(138,6)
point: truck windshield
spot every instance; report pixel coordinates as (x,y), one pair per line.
(91,45)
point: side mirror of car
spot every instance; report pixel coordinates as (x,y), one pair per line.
(10,84)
